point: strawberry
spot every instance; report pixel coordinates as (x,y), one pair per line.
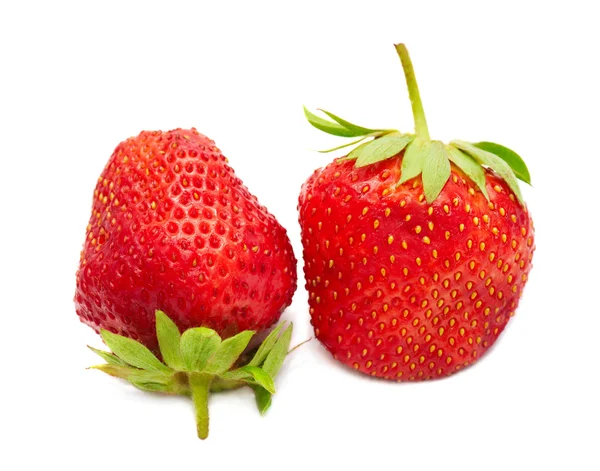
(415,252)
(173,229)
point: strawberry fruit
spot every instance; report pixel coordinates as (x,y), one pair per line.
(174,229)
(415,252)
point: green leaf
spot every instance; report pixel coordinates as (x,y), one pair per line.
(470,167)
(513,159)
(494,162)
(110,358)
(436,170)
(197,346)
(153,382)
(383,148)
(356,152)
(343,145)
(118,371)
(277,355)
(359,130)
(169,340)
(261,377)
(328,126)
(412,162)
(263,399)
(266,346)
(132,352)
(145,380)
(228,352)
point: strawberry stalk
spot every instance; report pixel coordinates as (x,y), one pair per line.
(420,155)
(200,387)
(196,363)
(413,92)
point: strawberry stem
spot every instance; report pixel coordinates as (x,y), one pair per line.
(200,387)
(413,92)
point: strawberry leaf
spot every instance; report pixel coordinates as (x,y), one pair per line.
(343,145)
(470,167)
(513,159)
(261,377)
(436,169)
(109,358)
(266,346)
(200,361)
(228,352)
(412,162)
(132,352)
(494,162)
(329,127)
(169,340)
(358,130)
(383,148)
(356,152)
(197,346)
(118,371)
(263,399)
(154,382)
(277,355)
(272,365)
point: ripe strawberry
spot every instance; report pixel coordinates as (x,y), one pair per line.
(173,229)
(416,252)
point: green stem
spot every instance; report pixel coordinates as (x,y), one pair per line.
(413,92)
(200,387)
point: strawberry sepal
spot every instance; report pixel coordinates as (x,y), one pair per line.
(422,156)
(196,363)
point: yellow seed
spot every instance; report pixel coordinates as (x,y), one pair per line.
(390,239)
(426,240)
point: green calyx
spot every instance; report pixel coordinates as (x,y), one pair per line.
(196,363)
(423,156)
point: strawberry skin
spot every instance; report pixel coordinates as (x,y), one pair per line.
(173,228)
(404,289)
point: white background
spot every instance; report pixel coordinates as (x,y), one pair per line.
(77,78)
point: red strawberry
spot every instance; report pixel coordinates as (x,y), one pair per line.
(416,252)
(173,229)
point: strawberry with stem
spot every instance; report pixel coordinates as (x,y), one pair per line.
(415,252)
